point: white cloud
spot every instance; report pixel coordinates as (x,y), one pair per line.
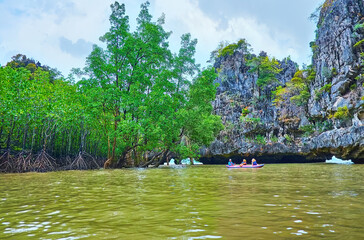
(185,16)
(34,28)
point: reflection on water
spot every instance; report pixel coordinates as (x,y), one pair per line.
(196,202)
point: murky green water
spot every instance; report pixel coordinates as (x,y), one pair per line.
(283,201)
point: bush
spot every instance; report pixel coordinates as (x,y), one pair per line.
(245,112)
(260,139)
(358,26)
(302,98)
(342,113)
(229,49)
(250,119)
(288,138)
(307,129)
(312,76)
(297,88)
(359,43)
(325,88)
(274,139)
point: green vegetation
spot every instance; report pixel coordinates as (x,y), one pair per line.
(358,26)
(307,130)
(353,86)
(260,140)
(250,120)
(296,90)
(359,43)
(325,88)
(334,72)
(341,113)
(266,69)
(314,49)
(245,112)
(134,106)
(274,139)
(226,49)
(288,138)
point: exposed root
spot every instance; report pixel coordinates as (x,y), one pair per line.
(6,162)
(93,163)
(84,161)
(44,162)
(79,163)
(68,160)
(23,162)
(107,163)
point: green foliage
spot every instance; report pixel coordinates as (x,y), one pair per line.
(296,90)
(266,69)
(353,87)
(302,98)
(135,97)
(314,48)
(334,72)
(229,49)
(274,139)
(250,120)
(307,130)
(325,88)
(342,113)
(326,73)
(245,112)
(22,61)
(312,75)
(279,94)
(358,26)
(359,43)
(288,138)
(260,140)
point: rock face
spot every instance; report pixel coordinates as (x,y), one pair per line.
(331,120)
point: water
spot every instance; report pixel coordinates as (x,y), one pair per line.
(281,201)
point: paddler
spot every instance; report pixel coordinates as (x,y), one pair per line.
(254,162)
(230,163)
(243,163)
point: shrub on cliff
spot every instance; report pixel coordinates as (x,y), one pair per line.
(342,113)
(296,90)
(266,69)
(228,49)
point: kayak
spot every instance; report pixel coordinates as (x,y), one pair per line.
(246,166)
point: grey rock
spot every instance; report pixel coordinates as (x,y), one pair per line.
(336,63)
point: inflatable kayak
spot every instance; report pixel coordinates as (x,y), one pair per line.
(246,166)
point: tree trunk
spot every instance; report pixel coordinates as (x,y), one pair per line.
(108,147)
(25,135)
(115,129)
(1,130)
(8,141)
(162,159)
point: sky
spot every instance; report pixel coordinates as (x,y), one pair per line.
(61,33)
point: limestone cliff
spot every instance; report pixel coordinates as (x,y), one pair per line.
(312,122)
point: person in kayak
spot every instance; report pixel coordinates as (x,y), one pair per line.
(230,163)
(254,162)
(243,163)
